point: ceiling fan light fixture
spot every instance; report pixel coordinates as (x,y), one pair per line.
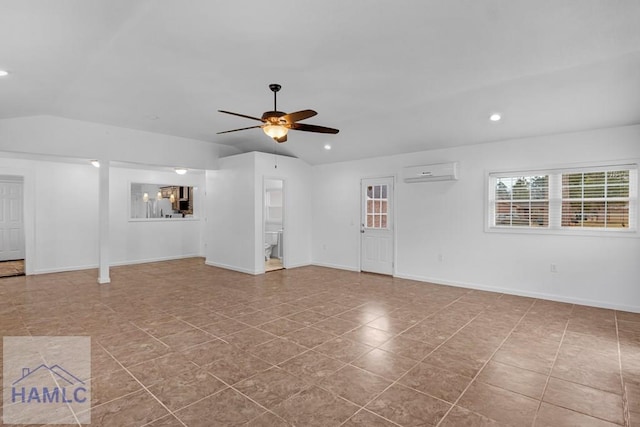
(275,131)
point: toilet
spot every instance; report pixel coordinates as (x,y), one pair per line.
(270,241)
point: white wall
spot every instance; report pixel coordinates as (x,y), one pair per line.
(61,216)
(58,136)
(61,189)
(231,222)
(297,178)
(157,239)
(61,213)
(448,218)
(235,201)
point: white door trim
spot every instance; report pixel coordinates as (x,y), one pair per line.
(285,244)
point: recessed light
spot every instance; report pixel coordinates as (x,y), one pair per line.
(180,171)
(327,146)
(495,117)
(4,73)
(95,163)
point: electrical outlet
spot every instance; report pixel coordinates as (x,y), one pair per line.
(554,268)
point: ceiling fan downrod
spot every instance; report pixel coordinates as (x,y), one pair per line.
(275,88)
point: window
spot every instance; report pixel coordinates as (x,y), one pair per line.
(600,199)
(377,206)
(596,199)
(522,201)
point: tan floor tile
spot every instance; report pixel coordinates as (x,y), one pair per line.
(249,337)
(385,364)
(168,421)
(586,400)
(335,326)
(535,355)
(528,383)
(354,384)
(499,404)
(307,317)
(369,336)
(224,327)
(408,407)
(184,389)
(162,368)
(632,391)
(112,385)
(436,382)
(281,326)
(409,348)
(186,339)
(309,337)
(335,302)
(358,316)
(268,419)
(458,417)
(365,418)
(343,349)
(277,351)
(555,416)
(236,367)
(272,387)
(132,410)
(312,366)
(315,407)
(205,353)
(225,408)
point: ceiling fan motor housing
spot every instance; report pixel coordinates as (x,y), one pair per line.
(274,117)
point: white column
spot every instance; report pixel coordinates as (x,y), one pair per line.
(103,221)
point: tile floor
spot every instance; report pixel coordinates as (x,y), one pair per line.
(179,343)
(11,268)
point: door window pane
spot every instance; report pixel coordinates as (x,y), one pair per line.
(376,206)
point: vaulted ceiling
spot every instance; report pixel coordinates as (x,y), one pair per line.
(393,76)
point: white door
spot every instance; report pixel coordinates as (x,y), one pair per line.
(377,226)
(11,223)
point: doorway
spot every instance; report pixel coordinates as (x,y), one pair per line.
(12,253)
(273,224)
(376,238)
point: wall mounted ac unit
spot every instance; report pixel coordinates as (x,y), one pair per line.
(426,173)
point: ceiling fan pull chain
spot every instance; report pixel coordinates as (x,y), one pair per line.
(275,154)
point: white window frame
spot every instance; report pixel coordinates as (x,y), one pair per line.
(555,200)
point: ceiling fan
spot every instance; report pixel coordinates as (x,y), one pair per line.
(276,123)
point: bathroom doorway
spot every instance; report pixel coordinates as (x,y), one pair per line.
(273,224)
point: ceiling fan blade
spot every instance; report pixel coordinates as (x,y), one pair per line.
(241,115)
(298,115)
(312,128)
(236,130)
(281,139)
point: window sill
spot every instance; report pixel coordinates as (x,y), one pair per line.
(164,219)
(565,232)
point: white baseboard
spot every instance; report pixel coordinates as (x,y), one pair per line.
(522,293)
(298,265)
(233,268)
(61,269)
(113,264)
(157,259)
(336,266)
